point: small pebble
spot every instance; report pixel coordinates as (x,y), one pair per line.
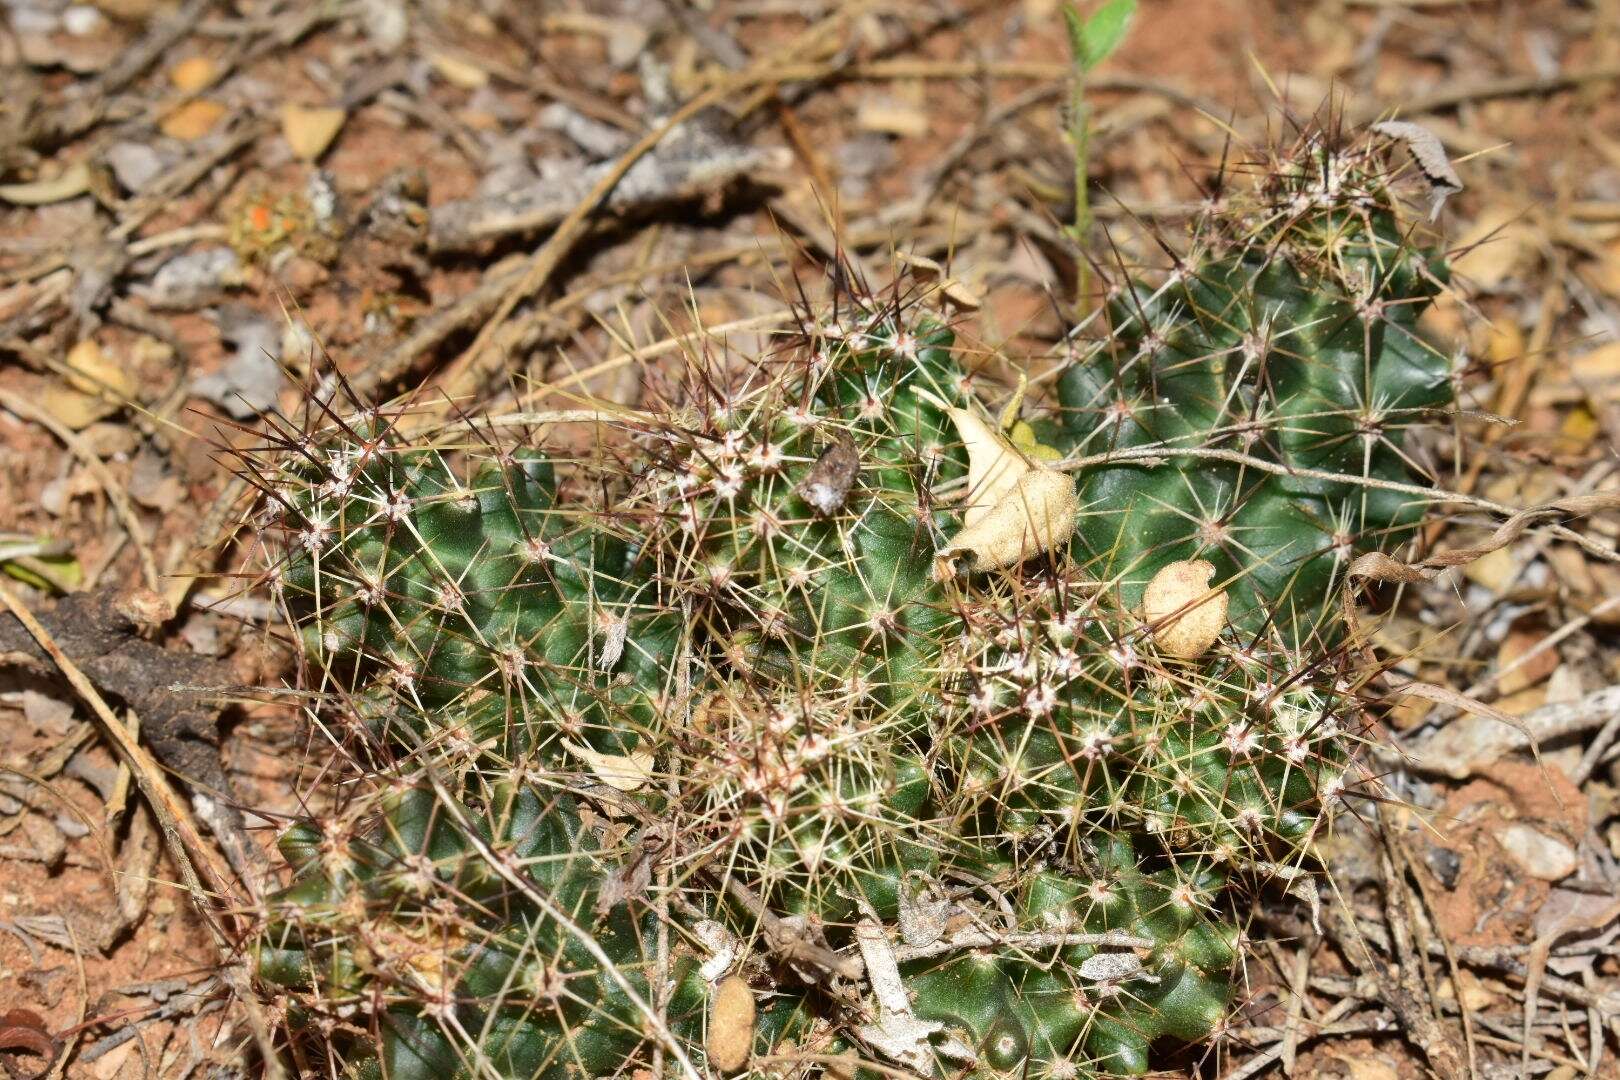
(1543,857)
(81,20)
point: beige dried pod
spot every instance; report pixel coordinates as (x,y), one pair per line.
(731,1025)
(1185,614)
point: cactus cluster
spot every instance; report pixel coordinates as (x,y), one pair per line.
(1257,387)
(834,728)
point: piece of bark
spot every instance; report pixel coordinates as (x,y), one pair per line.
(695,164)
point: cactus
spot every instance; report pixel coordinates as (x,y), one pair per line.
(1061,1006)
(799,514)
(1077,722)
(772,699)
(1287,341)
(403,577)
(432,964)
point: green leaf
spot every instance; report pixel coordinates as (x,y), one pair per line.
(1077,35)
(54,573)
(1093,40)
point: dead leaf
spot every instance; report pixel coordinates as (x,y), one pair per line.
(1543,857)
(1494,570)
(1599,368)
(891,118)
(1430,154)
(192,120)
(459,72)
(1572,569)
(22,1029)
(1580,427)
(1476,996)
(898,1034)
(92,371)
(1603,605)
(994,465)
(1016,508)
(622,772)
(1494,247)
(47,714)
(129,10)
(385,23)
(249,381)
(152,484)
(952,288)
(1037,516)
(309,131)
(192,279)
(74,408)
(924,909)
(1367,1068)
(1516,644)
(135,164)
(194,73)
(116,1062)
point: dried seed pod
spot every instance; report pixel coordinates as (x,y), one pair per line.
(1185,614)
(827,484)
(731,1025)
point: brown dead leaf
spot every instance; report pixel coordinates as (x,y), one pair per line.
(309,131)
(1608,273)
(888,117)
(192,120)
(1572,568)
(458,72)
(1495,247)
(1519,643)
(128,10)
(1016,507)
(76,410)
(1476,995)
(93,371)
(1599,366)
(1365,1067)
(622,772)
(1501,340)
(968,296)
(1593,375)
(1603,604)
(194,73)
(1494,570)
